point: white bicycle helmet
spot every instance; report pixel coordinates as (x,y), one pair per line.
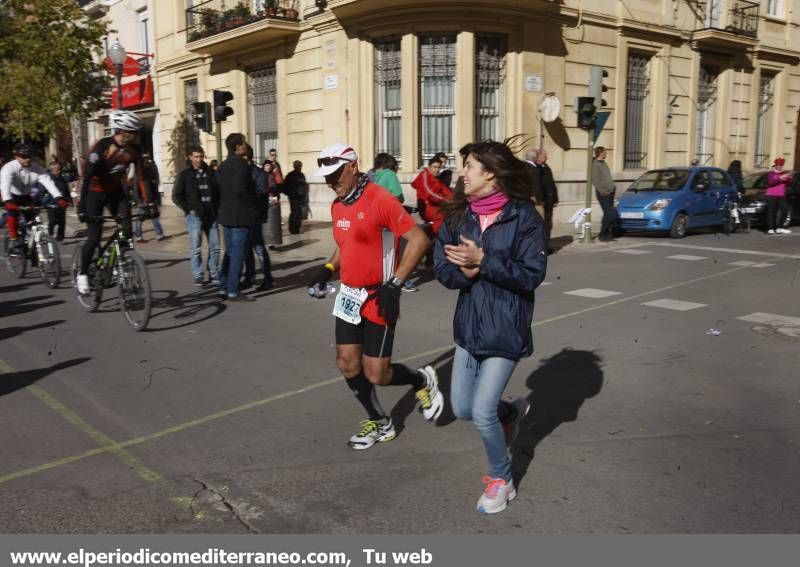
(124,120)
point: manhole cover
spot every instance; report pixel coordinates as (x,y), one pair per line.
(785,332)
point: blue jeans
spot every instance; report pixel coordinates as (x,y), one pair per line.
(235,244)
(137,224)
(475,394)
(255,247)
(197,226)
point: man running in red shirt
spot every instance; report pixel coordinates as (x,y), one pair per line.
(367,221)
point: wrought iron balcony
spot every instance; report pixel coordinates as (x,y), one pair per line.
(214,16)
(744,18)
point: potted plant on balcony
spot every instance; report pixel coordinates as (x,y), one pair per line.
(209,23)
(240,15)
(271,7)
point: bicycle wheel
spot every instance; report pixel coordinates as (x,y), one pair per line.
(49,261)
(134,290)
(91,300)
(16,260)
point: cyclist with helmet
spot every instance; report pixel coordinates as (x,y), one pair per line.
(17,178)
(104,182)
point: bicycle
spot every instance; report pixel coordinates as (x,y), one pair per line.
(116,263)
(36,246)
(733,217)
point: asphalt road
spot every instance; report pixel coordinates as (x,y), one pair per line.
(231,418)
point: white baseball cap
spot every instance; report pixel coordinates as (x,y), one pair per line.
(332,157)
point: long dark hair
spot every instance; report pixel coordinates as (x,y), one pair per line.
(513,177)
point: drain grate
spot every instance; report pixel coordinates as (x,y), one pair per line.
(785,332)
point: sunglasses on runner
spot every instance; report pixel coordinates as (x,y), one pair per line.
(326,161)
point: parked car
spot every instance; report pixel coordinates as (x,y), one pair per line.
(754,204)
(676,199)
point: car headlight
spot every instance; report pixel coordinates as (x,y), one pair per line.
(659,205)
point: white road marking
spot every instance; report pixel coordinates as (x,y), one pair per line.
(730,250)
(674,304)
(743,263)
(688,257)
(632,251)
(593,293)
(762,265)
(771,319)
(545,283)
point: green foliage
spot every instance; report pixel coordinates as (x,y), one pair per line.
(49,65)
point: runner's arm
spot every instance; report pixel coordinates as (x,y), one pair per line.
(417,244)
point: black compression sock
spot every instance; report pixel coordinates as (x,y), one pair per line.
(402,375)
(364,391)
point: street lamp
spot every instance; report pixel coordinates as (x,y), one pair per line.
(117,54)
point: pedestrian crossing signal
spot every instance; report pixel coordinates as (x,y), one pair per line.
(201,115)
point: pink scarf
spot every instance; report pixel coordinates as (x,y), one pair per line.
(489,203)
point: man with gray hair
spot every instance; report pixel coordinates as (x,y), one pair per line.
(604,189)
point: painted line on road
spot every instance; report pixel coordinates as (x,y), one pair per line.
(674,304)
(257,403)
(592,292)
(687,257)
(108,445)
(771,319)
(730,250)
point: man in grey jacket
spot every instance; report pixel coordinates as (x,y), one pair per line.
(604,189)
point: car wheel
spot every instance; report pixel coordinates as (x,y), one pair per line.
(679,226)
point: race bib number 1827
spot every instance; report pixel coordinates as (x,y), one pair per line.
(348,303)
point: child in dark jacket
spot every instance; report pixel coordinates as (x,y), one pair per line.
(56,216)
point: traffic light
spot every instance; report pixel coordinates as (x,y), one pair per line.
(586,110)
(221,108)
(201,115)
(596,86)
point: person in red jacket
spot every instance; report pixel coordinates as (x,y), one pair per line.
(431,192)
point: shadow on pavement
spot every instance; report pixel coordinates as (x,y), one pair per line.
(26,304)
(184,309)
(159,264)
(558,389)
(559,242)
(294,245)
(9,332)
(17,380)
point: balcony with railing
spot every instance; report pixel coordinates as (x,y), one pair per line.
(219,25)
(734,28)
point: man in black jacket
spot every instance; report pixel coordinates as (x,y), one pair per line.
(238,212)
(545,191)
(296,188)
(196,193)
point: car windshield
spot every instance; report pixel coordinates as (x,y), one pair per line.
(755,180)
(661,180)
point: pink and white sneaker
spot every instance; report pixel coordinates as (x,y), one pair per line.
(497,495)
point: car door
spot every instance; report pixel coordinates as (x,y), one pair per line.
(720,192)
(701,203)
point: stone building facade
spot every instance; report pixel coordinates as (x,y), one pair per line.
(714,81)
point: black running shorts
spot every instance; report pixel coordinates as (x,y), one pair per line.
(375,340)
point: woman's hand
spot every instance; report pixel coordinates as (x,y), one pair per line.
(464,255)
(471,273)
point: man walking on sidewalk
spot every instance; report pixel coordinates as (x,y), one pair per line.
(604,189)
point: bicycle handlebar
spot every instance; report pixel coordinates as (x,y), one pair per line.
(117,219)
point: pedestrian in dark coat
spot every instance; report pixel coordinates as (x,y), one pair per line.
(296,188)
(238,212)
(56,216)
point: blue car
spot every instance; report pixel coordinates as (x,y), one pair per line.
(676,199)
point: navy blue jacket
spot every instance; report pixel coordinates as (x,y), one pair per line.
(495,310)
